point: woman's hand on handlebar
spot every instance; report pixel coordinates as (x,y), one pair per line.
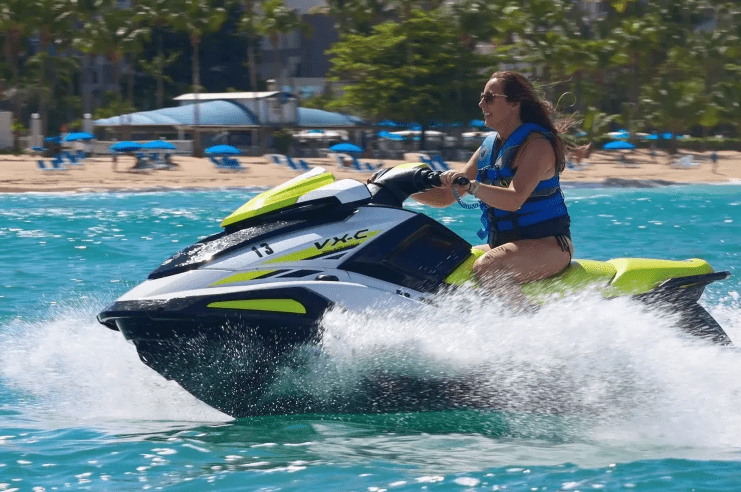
(450,178)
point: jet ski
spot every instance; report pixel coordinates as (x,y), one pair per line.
(221,316)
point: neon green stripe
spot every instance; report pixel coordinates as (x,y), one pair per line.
(312,252)
(464,273)
(273,305)
(279,197)
(411,165)
(241,277)
(639,275)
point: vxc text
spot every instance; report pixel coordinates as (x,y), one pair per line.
(361,234)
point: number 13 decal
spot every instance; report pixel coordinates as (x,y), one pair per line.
(262,250)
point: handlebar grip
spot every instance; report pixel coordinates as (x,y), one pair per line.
(433,178)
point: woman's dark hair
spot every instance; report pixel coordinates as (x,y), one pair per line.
(518,88)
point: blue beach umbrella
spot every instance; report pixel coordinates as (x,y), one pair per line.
(158,145)
(477,124)
(74,137)
(620,134)
(389,123)
(223,150)
(125,146)
(390,136)
(618,145)
(346,147)
(53,139)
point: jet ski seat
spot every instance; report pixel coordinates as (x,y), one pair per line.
(615,277)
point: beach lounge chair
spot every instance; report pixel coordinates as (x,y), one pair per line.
(218,163)
(43,167)
(364,166)
(347,162)
(576,166)
(685,162)
(226,163)
(278,159)
(440,163)
(233,164)
(298,164)
(142,164)
(71,158)
(157,162)
(55,166)
(427,160)
(339,159)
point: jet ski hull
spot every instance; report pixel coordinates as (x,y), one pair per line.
(235,318)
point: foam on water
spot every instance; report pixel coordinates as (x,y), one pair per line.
(623,368)
(630,389)
(70,369)
(626,374)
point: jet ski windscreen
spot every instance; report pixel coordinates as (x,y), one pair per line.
(213,246)
(418,254)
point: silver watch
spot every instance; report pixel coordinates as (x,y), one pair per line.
(474,188)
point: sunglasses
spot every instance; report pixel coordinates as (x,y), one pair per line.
(489,98)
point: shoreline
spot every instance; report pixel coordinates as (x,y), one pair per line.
(565,185)
(21,174)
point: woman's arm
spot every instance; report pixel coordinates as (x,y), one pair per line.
(535,163)
(442,197)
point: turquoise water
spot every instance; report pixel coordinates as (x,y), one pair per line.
(79,411)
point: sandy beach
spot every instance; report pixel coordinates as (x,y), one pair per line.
(21,174)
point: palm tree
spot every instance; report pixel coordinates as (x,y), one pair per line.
(15,23)
(359,16)
(53,19)
(279,19)
(197,18)
(157,13)
(113,32)
(249,25)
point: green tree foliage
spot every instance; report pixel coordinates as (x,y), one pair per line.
(653,65)
(382,84)
(197,18)
(279,19)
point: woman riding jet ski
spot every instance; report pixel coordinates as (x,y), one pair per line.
(223,316)
(515,176)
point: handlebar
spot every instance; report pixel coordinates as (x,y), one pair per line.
(462,181)
(433,178)
(392,188)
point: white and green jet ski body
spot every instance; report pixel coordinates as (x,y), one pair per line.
(262,285)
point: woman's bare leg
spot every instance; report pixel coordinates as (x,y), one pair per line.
(505,267)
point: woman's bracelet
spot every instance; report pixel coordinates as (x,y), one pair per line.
(474,188)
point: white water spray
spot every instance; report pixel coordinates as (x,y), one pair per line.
(625,370)
(71,370)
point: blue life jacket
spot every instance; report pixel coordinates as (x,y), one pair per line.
(543,214)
